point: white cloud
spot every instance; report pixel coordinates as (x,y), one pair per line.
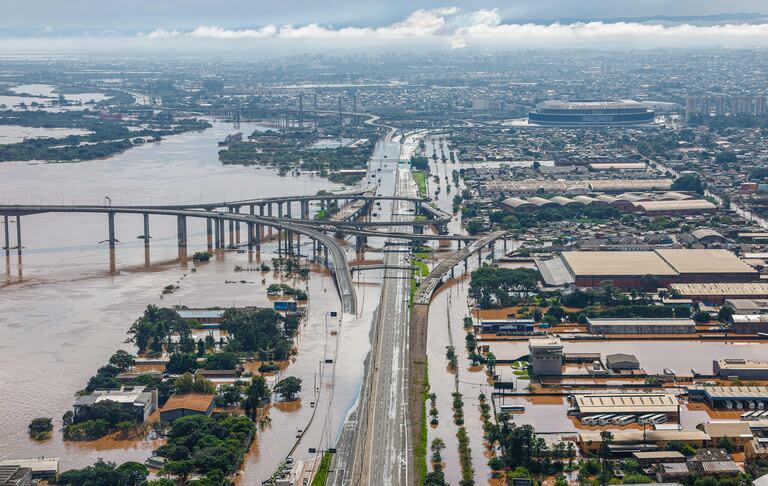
(485,28)
(212,32)
(618,34)
(163,34)
(48,29)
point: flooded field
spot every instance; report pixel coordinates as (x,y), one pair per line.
(17,133)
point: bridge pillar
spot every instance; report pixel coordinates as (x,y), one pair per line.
(111,222)
(418,230)
(7,238)
(298,244)
(304,209)
(18,234)
(466,265)
(479,257)
(250,236)
(237,226)
(146,230)
(253,210)
(269,213)
(493,250)
(360,242)
(322,204)
(209,234)
(231,229)
(222,237)
(181,230)
(280,210)
(257,235)
(288,206)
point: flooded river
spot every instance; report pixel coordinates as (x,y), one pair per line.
(63,310)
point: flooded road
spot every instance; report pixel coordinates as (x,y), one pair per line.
(64,311)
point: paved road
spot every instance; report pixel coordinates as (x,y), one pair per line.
(373,448)
(386,454)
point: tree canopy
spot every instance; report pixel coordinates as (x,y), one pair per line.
(495,286)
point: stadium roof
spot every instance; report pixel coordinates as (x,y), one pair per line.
(589,105)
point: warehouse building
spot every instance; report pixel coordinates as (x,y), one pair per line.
(622,362)
(641,326)
(748,306)
(731,397)
(738,432)
(187,404)
(504,326)
(591,442)
(546,356)
(670,266)
(718,292)
(624,404)
(743,369)
(750,324)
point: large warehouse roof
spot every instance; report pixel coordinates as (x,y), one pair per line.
(676,205)
(754,288)
(736,392)
(661,262)
(610,263)
(704,261)
(626,403)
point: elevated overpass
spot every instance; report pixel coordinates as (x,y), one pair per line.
(337,263)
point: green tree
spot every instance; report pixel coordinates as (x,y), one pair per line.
(689,183)
(180,363)
(474,226)
(222,361)
(256,396)
(123,360)
(180,469)
(725,314)
(134,473)
(490,362)
(288,387)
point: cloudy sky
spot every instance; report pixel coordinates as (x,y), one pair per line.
(294,24)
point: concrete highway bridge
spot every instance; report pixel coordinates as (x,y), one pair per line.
(322,243)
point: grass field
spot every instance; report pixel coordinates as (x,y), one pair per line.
(322,472)
(421,182)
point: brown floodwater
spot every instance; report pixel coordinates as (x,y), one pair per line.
(64,308)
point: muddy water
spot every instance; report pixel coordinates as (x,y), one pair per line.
(447,311)
(64,310)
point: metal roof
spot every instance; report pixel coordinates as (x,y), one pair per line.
(611,263)
(704,261)
(589,105)
(737,392)
(626,402)
(753,288)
